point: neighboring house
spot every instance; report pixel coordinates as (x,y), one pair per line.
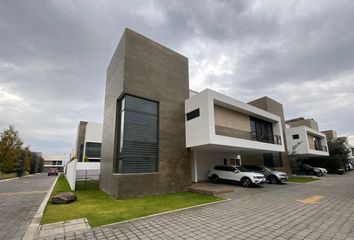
(330,134)
(350,149)
(306,132)
(53,161)
(220,128)
(88,141)
(158,136)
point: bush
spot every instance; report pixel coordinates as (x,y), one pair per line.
(332,164)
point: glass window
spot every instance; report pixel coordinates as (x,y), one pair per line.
(272,160)
(193,114)
(138,135)
(296,136)
(93,150)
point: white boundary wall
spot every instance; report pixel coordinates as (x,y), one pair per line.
(74,169)
(88,166)
(71,173)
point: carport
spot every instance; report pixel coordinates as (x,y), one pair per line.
(206,157)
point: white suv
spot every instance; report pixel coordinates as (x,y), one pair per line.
(235,173)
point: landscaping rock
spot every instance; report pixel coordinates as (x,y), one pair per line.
(63,198)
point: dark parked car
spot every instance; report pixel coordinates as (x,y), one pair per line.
(270,175)
(309,170)
(53,171)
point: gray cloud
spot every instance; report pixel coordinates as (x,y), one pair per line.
(54,55)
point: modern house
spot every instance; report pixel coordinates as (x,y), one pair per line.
(88,142)
(303,136)
(158,136)
(330,134)
(53,161)
(349,147)
(223,130)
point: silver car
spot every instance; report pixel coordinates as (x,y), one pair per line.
(271,175)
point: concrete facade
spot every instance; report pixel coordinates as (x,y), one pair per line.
(80,140)
(143,68)
(330,134)
(311,123)
(53,161)
(231,119)
(272,106)
(87,132)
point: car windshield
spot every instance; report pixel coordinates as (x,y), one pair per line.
(242,169)
(267,169)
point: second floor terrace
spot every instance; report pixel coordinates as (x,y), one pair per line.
(306,141)
(216,121)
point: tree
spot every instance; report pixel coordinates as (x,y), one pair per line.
(10,150)
(337,148)
(35,162)
(27,158)
(40,164)
(294,158)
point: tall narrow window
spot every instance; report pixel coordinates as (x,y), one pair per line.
(137,150)
(262,130)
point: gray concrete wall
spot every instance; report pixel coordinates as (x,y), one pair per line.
(144,68)
(305,122)
(80,139)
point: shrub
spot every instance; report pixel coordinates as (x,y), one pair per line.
(332,164)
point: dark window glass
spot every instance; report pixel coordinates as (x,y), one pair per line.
(81,153)
(272,160)
(222,168)
(193,114)
(138,135)
(296,136)
(231,169)
(93,150)
(262,131)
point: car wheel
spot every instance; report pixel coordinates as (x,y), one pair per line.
(214,179)
(273,179)
(246,182)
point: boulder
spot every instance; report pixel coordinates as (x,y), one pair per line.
(63,198)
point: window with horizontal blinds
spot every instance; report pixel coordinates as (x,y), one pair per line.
(138,135)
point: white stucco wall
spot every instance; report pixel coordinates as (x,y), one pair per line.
(71,174)
(202,161)
(200,131)
(304,148)
(93,132)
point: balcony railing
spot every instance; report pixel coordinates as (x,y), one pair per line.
(236,133)
(266,137)
(322,148)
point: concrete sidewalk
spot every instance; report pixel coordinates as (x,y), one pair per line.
(50,231)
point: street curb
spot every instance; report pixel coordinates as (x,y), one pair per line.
(163,213)
(33,228)
(9,179)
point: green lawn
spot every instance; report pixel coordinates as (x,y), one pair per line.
(302,179)
(100,209)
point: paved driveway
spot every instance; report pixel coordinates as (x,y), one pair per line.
(19,202)
(317,210)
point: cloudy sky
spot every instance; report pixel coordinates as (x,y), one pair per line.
(54,55)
